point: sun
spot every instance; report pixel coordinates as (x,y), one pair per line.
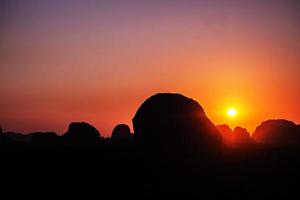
(231,112)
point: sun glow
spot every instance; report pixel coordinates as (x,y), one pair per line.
(231,112)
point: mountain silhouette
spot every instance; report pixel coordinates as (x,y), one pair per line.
(277,132)
(17,137)
(173,153)
(226,133)
(44,138)
(241,136)
(121,134)
(81,133)
(234,138)
(170,123)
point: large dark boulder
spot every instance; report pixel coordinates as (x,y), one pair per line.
(173,123)
(277,132)
(121,134)
(81,133)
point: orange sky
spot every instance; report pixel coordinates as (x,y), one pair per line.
(64,61)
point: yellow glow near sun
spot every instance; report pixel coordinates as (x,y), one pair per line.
(231,112)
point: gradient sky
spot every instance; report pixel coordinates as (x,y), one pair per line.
(97,61)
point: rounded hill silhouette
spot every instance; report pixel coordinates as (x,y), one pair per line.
(81,133)
(168,122)
(121,134)
(277,132)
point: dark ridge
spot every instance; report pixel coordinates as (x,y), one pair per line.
(238,137)
(45,138)
(278,132)
(17,137)
(241,136)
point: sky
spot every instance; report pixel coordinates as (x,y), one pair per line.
(97,61)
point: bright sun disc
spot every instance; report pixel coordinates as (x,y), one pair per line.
(231,112)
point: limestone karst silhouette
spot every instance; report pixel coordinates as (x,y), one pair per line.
(234,138)
(15,137)
(241,136)
(170,123)
(277,132)
(121,134)
(81,133)
(44,138)
(226,133)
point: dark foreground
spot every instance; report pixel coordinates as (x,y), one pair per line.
(253,172)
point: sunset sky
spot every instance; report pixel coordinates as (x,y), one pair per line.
(97,61)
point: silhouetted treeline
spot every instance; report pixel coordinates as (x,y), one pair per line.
(174,151)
